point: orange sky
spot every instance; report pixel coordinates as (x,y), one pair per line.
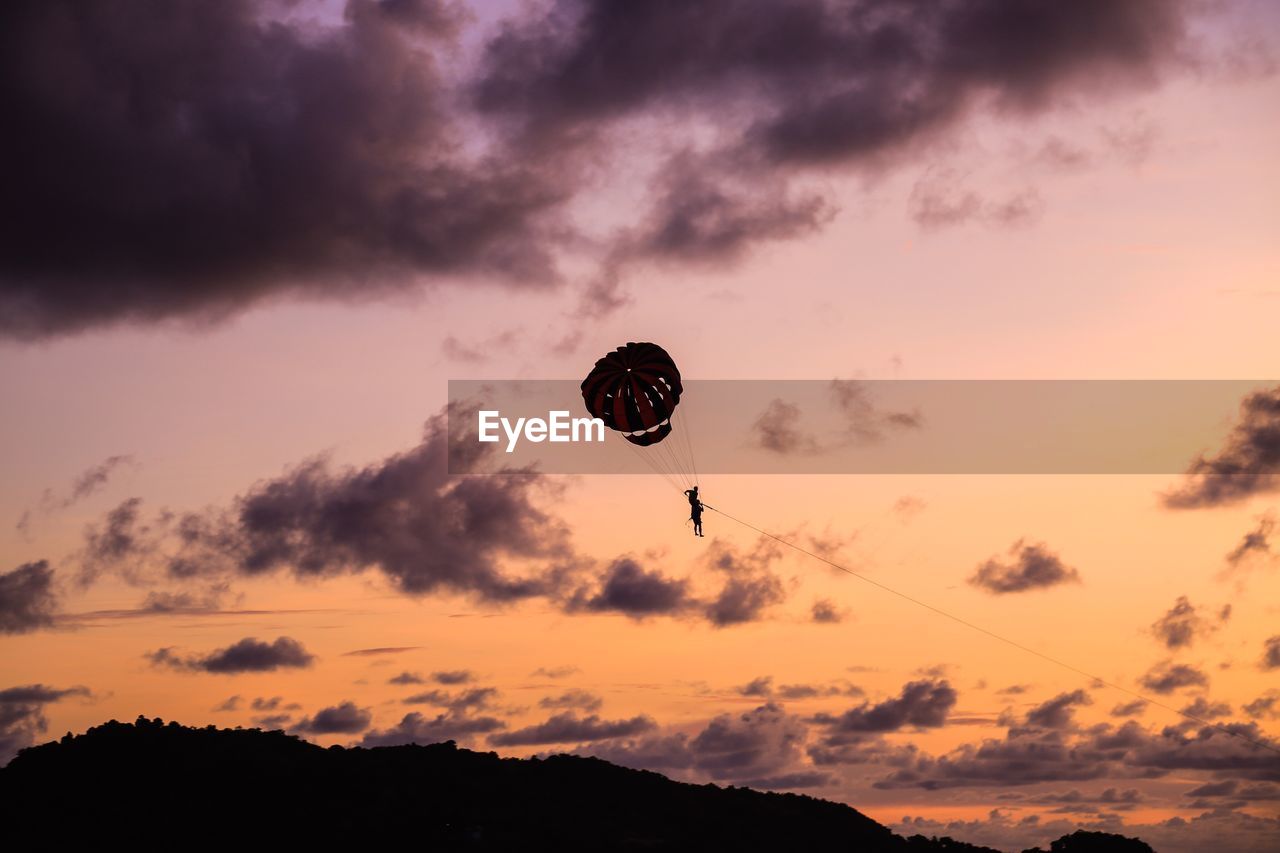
(1161,264)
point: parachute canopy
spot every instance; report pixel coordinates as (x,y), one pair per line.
(634,389)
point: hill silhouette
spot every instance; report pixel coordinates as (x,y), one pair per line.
(151,784)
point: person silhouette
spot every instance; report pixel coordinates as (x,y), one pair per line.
(695,510)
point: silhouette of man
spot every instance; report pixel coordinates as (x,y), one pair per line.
(695,510)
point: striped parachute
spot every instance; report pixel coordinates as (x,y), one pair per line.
(635,390)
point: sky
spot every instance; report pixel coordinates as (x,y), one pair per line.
(247,245)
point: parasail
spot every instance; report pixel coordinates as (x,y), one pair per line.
(635,390)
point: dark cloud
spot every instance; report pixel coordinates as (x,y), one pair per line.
(1214,789)
(89,482)
(247,655)
(38,694)
(859,421)
(208,601)
(1227,749)
(1179,627)
(665,752)
(1232,788)
(1130,709)
(416,728)
(811,691)
(1024,759)
(702,216)
(750,587)
(864,421)
(345,718)
(933,670)
(27,598)
(921,704)
(378,652)
(941,199)
(777,430)
(1247,464)
(630,589)
(1058,712)
(230,154)
(744,598)
(555,672)
(407,678)
(231,703)
(452,676)
(760,742)
(1265,707)
(762,686)
(1165,678)
(1271,653)
(474,699)
(797,89)
(1032,567)
(1203,709)
(825,612)
(769,744)
(579,699)
(168,604)
(763,745)
(461,720)
(95,478)
(602,296)
(22,718)
(1256,543)
(748,590)
(1078,802)
(570,728)
(121,543)
(273,703)
(404,516)
(788,781)
(186,159)
(815,82)
(1029,756)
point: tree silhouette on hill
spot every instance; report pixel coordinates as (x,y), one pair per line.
(149,784)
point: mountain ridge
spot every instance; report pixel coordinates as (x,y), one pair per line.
(149,781)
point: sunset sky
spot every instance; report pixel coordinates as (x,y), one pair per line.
(248,243)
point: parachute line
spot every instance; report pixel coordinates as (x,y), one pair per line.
(656,465)
(684,431)
(970,625)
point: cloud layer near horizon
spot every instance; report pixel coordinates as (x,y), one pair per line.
(494,539)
